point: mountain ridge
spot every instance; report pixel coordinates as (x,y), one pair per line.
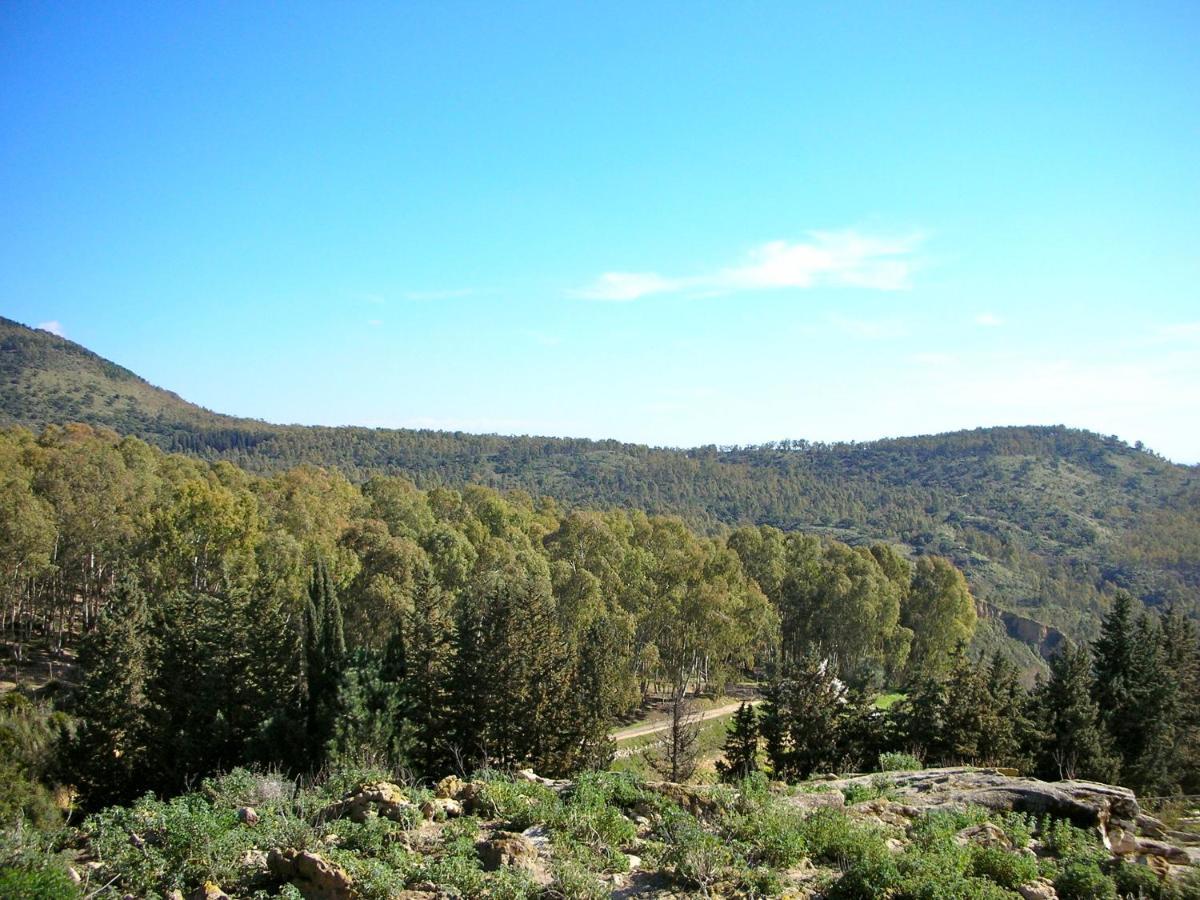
(1047,521)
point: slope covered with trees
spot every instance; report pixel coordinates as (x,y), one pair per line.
(1045,521)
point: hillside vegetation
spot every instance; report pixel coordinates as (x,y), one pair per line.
(1045,521)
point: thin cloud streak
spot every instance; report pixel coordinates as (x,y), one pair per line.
(828,258)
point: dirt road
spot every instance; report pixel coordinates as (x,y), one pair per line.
(634,731)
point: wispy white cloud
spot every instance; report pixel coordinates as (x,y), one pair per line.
(988,320)
(840,258)
(53,326)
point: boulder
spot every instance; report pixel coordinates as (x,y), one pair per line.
(817,800)
(506,848)
(449,788)
(985,834)
(247,816)
(1169,852)
(441,808)
(380,798)
(1038,890)
(316,878)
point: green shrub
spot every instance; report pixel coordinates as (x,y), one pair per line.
(1071,844)
(1004,867)
(833,837)
(771,834)
(693,855)
(36,884)
(1081,879)
(574,881)
(899,762)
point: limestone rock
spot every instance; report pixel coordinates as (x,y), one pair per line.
(441,808)
(380,798)
(985,834)
(316,878)
(1170,853)
(247,815)
(1038,890)
(506,848)
(449,788)
(817,800)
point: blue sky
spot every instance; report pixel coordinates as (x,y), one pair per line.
(675,223)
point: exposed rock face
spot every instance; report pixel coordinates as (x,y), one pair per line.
(380,798)
(316,878)
(818,800)
(1084,803)
(506,848)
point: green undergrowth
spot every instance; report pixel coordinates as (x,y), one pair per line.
(751,840)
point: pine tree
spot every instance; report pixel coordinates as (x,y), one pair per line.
(741,746)
(108,753)
(1181,656)
(1076,744)
(802,717)
(1113,669)
(420,657)
(1136,696)
(324,656)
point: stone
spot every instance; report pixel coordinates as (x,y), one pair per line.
(985,834)
(1120,842)
(1169,852)
(315,877)
(253,859)
(449,788)
(247,816)
(380,798)
(1038,890)
(506,848)
(441,808)
(75,877)
(208,891)
(817,800)
(1150,827)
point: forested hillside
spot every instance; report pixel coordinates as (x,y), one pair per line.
(1045,521)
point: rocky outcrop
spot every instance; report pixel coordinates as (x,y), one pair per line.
(380,798)
(1084,803)
(315,877)
(1045,639)
(506,848)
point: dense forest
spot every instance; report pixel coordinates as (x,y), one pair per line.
(299,624)
(1048,522)
(227,617)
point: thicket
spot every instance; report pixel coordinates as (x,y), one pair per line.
(223,618)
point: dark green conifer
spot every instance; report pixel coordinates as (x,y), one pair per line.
(1076,744)
(741,746)
(108,752)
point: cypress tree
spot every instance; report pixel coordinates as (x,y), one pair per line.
(1076,744)
(1181,657)
(741,746)
(802,716)
(108,753)
(324,656)
(1115,676)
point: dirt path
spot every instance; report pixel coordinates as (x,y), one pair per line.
(635,731)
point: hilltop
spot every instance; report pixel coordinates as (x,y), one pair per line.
(1045,521)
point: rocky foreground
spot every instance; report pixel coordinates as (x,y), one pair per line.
(951,832)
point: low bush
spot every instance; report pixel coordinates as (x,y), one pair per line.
(899,762)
